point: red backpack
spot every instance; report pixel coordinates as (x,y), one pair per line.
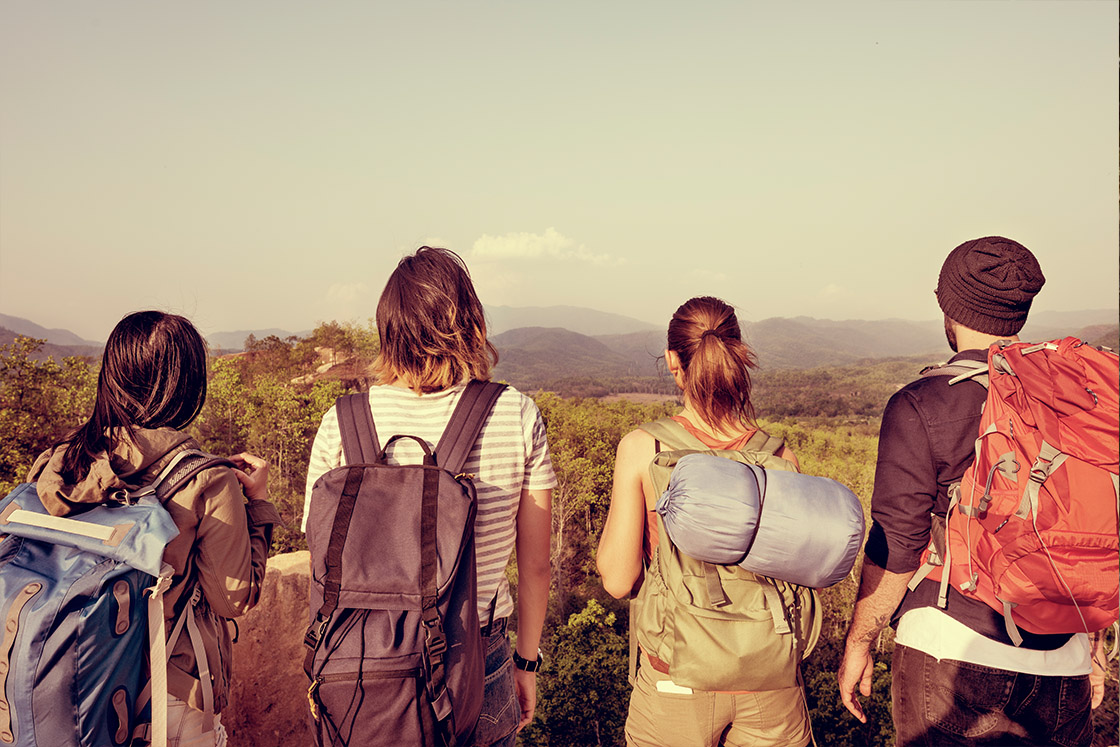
(1032,526)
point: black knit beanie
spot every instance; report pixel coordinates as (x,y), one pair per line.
(988,285)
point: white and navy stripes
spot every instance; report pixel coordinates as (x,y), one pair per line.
(511,455)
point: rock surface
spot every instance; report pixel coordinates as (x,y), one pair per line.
(268,701)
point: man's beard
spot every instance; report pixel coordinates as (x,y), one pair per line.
(951,335)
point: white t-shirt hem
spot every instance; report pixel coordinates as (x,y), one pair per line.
(932,631)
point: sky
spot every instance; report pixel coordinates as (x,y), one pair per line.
(263,164)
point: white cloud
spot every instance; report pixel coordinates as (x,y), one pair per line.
(707,276)
(832,289)
(346,293)
(549,245)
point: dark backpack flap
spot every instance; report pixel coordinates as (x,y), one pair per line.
(382,569)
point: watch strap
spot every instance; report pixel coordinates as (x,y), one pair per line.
(528,665)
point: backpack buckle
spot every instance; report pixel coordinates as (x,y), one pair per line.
(1040,471)
(315,633)
(437,643)
(434,639)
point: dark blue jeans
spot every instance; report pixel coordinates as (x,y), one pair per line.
(953,703)
(497,726)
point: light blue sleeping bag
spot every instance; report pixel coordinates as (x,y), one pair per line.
(785,525)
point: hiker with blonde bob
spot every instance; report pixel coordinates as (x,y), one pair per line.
(434,357)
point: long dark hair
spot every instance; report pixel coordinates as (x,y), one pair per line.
(716,364)
(432,325)
(153,375)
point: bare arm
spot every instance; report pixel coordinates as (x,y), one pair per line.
(619,559)
(534,526)
(880,593)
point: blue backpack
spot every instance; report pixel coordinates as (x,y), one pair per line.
(75,652)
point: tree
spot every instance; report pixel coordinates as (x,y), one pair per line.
(40,402)
(584,693)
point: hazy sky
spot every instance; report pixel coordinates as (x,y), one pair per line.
(266,164)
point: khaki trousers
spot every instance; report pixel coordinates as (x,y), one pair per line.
(185,726)
(660,717)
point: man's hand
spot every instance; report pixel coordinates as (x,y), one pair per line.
(1096,676)
(855,669)
(880,592)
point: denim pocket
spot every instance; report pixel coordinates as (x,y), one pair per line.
(1074,720)
(500,711)
(965,699)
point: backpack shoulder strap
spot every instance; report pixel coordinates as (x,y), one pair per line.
(475,404)
(961,370)
(764,442)
(181,470)
(355,423)
(673,435)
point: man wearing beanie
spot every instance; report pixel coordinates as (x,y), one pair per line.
(956,677)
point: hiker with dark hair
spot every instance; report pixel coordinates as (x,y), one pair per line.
(759,701)
(434,354)
(152,384)
(962,673)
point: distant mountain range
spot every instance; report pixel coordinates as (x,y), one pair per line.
(28,328)
(501,319)
(541,344)
(60,342)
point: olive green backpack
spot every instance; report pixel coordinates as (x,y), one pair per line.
(719,627)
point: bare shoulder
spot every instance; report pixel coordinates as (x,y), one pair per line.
(636,440)
(635,450)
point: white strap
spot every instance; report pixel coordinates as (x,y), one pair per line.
(1009,624)
(978,369)
(203,670)
(943,587)
(188,609)
(920,575)
(157,638)
(110,535)
(1049,459)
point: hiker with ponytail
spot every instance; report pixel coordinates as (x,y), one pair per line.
(712,366)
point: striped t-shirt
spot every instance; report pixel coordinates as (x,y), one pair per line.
(510,455)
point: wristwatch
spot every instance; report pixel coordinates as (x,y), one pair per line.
(528,665)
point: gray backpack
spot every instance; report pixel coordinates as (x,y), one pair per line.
(395,646)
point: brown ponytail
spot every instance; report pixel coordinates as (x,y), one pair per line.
(715,363)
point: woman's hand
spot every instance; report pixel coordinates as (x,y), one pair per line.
(252,473)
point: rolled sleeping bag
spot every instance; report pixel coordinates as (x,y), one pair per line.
(785,525)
